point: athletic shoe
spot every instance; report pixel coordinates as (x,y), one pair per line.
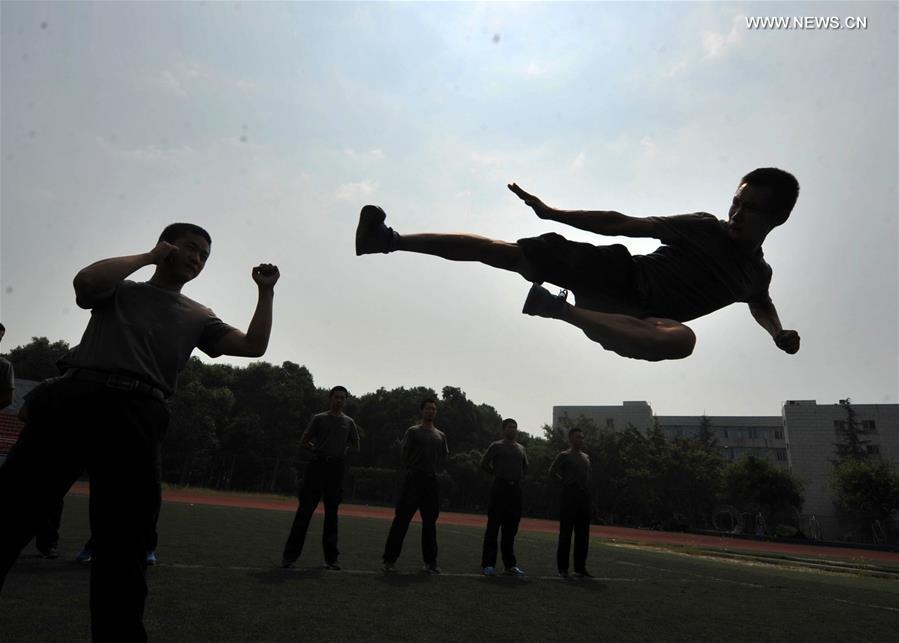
(489,571)
(151,558)
(515,571)
(334,567)
(372,235)
(563,573)
(84,556)
(430,568)
(541,303)
(287,563)
(388,568)
(583,574)
(52,553)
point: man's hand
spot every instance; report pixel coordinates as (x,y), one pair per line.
(540,208)
(161,252)
(266,275)
(787,341)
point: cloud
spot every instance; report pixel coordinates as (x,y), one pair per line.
(149,154)
(486,159)
(648,145)
(370,155)
(716,44)
(578,162)
(187,76)
(355,192)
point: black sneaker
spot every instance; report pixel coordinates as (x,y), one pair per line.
(583,574)
(563,574)
(541,303)
(51,553)
(389,567)
(430,568)
(334,567)
(372,235)
(287,563)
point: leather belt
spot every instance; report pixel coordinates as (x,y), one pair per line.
(115,381)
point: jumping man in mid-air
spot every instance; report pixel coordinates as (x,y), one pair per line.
(632,305)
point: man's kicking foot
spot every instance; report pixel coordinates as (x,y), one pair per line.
(372,234)
(542,303)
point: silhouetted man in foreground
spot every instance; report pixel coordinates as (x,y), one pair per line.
(107,413)
(632,305)
(330,436)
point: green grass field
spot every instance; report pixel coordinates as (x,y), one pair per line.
(218,580)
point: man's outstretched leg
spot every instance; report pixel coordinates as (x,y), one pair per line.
(652,338)
(373,236)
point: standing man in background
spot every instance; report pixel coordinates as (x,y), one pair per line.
(7,377)
(572,468)
(107,413)
(330,436)
(507,461)
(424,454)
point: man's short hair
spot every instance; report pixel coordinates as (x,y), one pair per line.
(430,400)
(175,231)
(339,388)
(3,328)
(509,421)
(574,430)
(783,186)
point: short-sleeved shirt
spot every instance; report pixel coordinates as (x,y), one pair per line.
(148,333)
(506,459)
(424,449)
(331,435)
(573,467)
(699,269)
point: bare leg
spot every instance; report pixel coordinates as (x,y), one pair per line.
(652,339)
(466,247)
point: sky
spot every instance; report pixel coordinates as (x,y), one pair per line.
(271,124)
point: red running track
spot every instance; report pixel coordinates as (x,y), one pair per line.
(613,534)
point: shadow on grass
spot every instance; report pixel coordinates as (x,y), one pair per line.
(505,582)
(37,566)
(279,576)
(400,579)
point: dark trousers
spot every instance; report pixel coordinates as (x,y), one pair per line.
(418,493)
(46,538)
(323,478)
(574,516)
(73,425)
(503,511)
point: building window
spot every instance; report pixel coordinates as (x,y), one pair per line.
(868,426)
(873,449)
(781,455)
(610,423)
(778,435)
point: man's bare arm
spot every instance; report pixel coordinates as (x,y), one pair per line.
(95,282)
(254,342)
(604,222)
(766,316)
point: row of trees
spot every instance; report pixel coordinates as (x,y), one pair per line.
(865,486)
(239,428)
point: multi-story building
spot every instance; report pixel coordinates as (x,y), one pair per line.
(736,436)
(802,440)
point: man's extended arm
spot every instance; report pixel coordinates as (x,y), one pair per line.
(97,281)
(766,315)
(604,222)
(254,342)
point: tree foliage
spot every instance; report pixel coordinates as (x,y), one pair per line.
(37,359)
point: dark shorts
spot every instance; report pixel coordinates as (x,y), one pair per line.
(601,277)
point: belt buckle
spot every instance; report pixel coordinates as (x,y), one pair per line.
(122,383)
